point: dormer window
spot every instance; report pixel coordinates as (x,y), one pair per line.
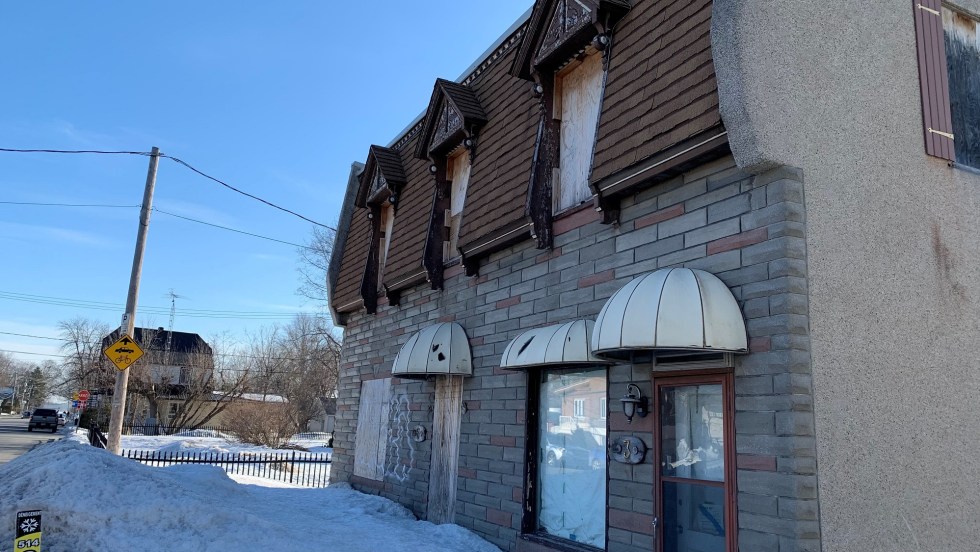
(450,133)
(381,182)
(578,97)
(458,169)
(563,53)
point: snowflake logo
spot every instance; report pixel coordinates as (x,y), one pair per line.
(29,525)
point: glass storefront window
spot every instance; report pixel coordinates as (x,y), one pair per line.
(572,456)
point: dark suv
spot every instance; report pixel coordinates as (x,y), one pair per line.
(44,418)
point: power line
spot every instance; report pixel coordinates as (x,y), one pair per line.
(101,305)
(34,336)
(178,161)
(230,187)
(232,229)
(29,203)
(104,152)
(67,204)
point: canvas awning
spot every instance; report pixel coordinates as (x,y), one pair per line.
(672,309)
(561,344)
(439,349)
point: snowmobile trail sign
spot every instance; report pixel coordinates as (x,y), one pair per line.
(28,531)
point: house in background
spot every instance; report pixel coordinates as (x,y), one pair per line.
(174,365)
(748,230)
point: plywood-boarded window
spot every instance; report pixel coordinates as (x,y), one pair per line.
(387,223)
(962,42)
(458,169)
(372,429)
(578,97)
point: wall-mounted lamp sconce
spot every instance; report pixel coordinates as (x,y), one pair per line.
(468,143)
(538,90)
(634,403)
(370,216)
(433,168)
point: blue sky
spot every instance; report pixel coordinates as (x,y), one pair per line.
(275,98)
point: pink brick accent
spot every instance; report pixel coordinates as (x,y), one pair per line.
(397,331)
(497,517)
(659,216)
(473,405)
(503,441)
(738,240)
(594,279)
(760,344)
(631,521)
(447,318)
(576,219)
(476,341)
(509,302)
(754,462)
(467,473)
(518,495)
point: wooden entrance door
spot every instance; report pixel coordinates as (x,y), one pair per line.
(694,490)
(444,465)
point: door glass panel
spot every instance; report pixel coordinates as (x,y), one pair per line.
(694,517)
(572,456)
(692,432)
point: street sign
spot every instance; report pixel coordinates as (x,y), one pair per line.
(74,396)
(83,395)
(123,353)
(28,530)
(74,404)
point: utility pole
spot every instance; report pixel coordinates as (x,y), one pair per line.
(129,318)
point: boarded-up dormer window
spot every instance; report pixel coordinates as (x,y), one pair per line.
(387,224)
(578,97)
(458,169)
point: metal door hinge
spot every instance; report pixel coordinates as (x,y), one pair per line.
(941,133)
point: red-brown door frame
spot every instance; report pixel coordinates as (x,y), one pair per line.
(699,377)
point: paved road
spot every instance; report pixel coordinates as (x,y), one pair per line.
(16,440)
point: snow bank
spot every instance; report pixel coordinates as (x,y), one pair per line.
(93,500)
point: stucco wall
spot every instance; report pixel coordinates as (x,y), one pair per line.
(893,253)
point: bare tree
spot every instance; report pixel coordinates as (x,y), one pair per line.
(314,262)
(83,365)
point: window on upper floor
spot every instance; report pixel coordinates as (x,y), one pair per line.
(387,223)
(962,41)
(458,169)
(578,98)
(949,74)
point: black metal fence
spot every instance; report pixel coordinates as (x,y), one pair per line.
(299,468)
(159,429)
(96,438)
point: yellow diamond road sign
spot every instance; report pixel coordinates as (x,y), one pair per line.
(124,352)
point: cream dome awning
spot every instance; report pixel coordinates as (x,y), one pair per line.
(439,349)
(561,344)
(672,309)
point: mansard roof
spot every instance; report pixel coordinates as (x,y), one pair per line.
(384,167)
(453,107)
(559,28)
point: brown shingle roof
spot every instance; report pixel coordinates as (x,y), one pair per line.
(411,219)
(661,87)
(462,99)
(497,190)
(389,163)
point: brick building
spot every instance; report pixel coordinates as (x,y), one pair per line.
(648,207)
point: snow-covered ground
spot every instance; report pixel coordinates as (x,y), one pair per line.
(93,500)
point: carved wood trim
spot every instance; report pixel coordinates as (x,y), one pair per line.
(432,256)
(369,283)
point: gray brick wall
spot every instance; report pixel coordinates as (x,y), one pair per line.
(748,230)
